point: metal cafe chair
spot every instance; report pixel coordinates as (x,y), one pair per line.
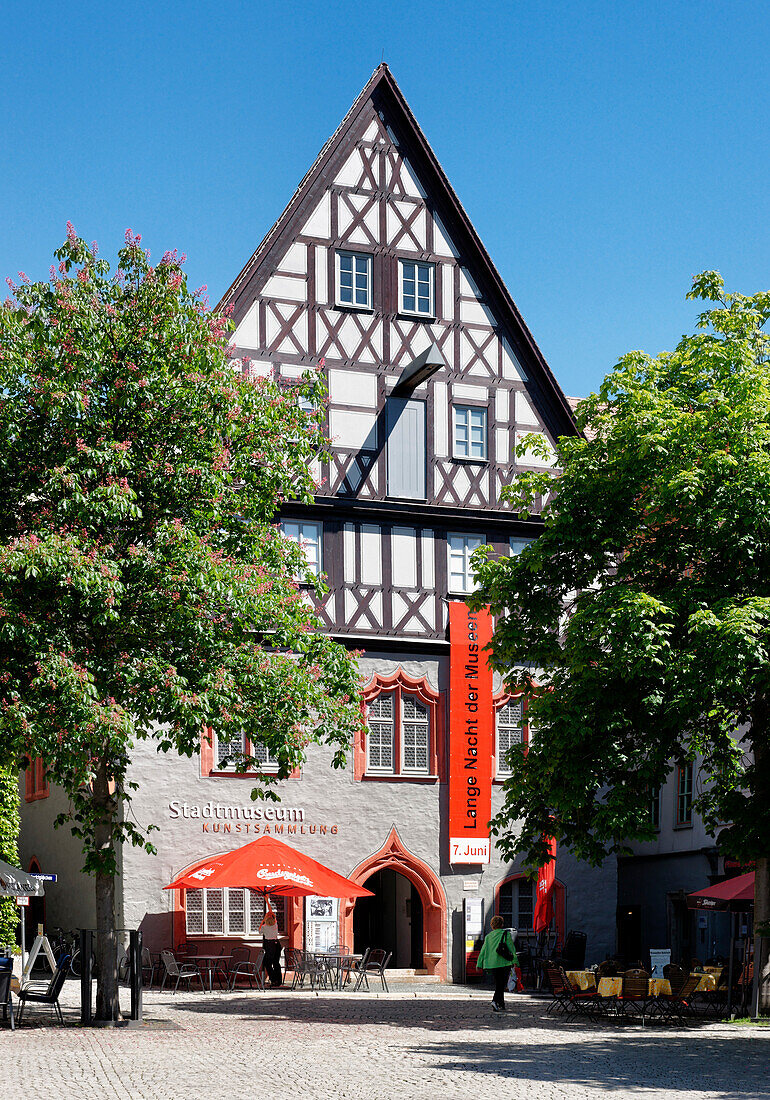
(241,965)
(148,967)
(375,964)
(186,972)
(46,994)
(307,965)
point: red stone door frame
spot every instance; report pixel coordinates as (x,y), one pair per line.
(395,856)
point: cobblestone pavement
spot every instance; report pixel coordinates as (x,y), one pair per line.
(414,1042)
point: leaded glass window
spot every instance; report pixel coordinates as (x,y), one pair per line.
(265,759)
(229,912)
(228,751)
(381,733)
(510,731)
(416,734)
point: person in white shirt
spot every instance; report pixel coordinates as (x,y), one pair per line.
(272,945)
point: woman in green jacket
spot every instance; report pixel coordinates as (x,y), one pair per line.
(498,955)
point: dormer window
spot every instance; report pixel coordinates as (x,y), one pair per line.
(354,280)
(416,288)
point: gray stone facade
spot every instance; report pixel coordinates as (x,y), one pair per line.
(341,821)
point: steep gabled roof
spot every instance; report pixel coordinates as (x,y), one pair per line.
(383,91)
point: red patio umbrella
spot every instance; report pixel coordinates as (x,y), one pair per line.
(272,867)
(734,893)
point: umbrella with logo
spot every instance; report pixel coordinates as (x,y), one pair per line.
(734,895)
(272,867)
(15,883)
(18,884)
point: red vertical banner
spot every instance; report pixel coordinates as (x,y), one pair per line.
(471,735)
(546,877)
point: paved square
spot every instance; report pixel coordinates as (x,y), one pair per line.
(429,1042)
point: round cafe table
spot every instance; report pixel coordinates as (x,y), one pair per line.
(208,964)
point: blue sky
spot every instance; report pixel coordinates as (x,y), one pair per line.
(605,151)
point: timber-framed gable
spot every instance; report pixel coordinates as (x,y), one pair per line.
(335,280)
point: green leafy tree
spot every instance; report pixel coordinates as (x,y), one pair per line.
(638,622)
(145,588)
(9,849)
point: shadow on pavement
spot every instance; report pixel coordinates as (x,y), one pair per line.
(724,1066)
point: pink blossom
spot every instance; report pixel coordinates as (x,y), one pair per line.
(72,236)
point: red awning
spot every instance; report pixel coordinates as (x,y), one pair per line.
(272,867)
(734,893)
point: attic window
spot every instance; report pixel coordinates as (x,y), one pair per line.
(354,280)
(416,288)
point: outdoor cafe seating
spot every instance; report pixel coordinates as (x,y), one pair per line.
(633,993)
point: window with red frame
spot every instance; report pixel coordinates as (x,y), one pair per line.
(228,752)
(35,781)
(401,738)
(510,729)
(223,755)
(684,795)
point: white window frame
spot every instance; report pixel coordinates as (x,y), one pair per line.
(270,763)
(518,543)
(469,543)
(502,770)
(417,312)
(405,770)
(231,767)
(457,414)
(379,769)
(307,535)
(248,748)
(251,921)
(338,279)
(399,766)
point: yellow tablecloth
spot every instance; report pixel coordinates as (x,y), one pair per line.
(707,983)
(610,987)
(582,979)
(613,987)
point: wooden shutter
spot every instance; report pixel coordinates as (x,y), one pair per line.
(406,448)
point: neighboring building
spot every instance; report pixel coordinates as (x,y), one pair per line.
(433,376)
(654,882)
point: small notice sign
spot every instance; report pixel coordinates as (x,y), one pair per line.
(22,901)
(658,959)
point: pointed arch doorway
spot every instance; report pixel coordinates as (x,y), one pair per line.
(407,914)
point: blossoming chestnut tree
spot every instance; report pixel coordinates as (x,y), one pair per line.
(145,588)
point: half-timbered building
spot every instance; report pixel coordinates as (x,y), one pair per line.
(374,271)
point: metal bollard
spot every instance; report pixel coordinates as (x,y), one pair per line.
(86,967)
(135,972)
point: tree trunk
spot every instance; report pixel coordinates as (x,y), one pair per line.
(762,914)
(762,867)
(107,1001)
